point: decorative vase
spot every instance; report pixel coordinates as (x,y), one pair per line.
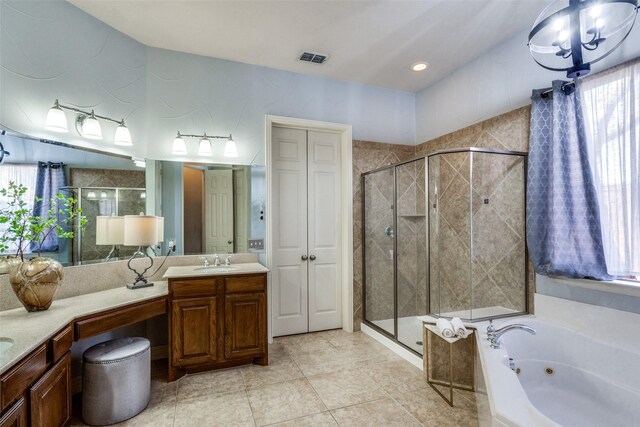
(36,282)
(7,263)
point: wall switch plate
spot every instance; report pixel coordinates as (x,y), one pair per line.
(256,244)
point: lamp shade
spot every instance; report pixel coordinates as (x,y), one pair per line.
(91,127)
(140,230)
(230,148)
(204,149)
(56,120)
(123,136)
(179,146)
(160,237)
(109,230)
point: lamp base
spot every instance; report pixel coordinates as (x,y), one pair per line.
(139,285)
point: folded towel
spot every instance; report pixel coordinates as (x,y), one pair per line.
(458,328)
(446,329)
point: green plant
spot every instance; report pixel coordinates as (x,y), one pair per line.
(26,230)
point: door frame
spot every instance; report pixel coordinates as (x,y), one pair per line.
(346,143)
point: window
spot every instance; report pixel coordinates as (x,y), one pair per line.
(611,103)
(20,174)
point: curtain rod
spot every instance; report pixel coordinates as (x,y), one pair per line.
(546,92)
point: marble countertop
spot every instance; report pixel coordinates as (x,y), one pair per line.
(223,270)
(27,330)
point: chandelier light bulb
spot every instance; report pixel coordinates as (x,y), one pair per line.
(595,11)
(563,36)
(56,119)
(599,23)
(558,25)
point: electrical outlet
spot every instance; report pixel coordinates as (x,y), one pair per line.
(256,244)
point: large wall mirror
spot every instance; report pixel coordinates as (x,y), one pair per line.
(208,208)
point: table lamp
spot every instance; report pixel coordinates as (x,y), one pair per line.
(141,231)
(110,231)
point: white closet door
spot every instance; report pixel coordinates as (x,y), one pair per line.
(324,231)
(289,196)
(218,188)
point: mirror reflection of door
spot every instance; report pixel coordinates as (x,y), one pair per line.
(218,197)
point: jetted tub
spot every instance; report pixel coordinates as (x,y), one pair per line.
(564,378)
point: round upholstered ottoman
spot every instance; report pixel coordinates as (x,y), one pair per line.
(116,380)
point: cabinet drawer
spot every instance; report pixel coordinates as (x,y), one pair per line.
(19,378)
(61,343)
(237,284)
(193,287)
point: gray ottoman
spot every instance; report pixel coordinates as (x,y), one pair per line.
(116,380)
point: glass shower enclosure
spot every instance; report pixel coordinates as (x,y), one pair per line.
(444,235)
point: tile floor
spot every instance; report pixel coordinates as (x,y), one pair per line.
(322,379)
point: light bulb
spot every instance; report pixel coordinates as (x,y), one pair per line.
(599,23)
(204,149)
(558,25)
(595,11)
(563,36)
(91,195)
(56,119)
(91,127)
(143,195)
(140,163)
(230,148)
(179,146)
(123,136)
(103,195)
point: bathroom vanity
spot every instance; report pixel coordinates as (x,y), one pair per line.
(217,317)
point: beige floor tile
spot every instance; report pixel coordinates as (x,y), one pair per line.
(345,388)
(305,343)
(323,419)
(281,368)
(208,383)
(432,411)
(284,401)
(323,362)
(229,409)
(163,392)
(384,412)
(157,416)
(395,377)
(338,337)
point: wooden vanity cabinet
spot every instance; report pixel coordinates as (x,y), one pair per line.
(217,322)
(16,416)
(50,397)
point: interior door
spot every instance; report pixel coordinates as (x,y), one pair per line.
(241,202)
(289,201)
(324,231)
(218,192)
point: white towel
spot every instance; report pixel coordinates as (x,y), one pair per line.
(446,329)
(458,328)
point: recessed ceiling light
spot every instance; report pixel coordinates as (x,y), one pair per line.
(420,66)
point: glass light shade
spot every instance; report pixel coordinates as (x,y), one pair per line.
(103,195)
(143,195)
(601,27)
(204,149)
(56,120)
(109,230)
(123,136)
(140,163)
(140,230)
(91,128)
(179,146)
(91,195)
(230,148)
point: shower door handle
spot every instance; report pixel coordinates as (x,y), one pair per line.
(304,257)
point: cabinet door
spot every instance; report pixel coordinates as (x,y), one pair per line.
(193,331)
(16,416)
(50,397)
(245,325)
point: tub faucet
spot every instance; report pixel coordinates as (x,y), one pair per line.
(494,337)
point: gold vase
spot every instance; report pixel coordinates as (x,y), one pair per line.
(36,282)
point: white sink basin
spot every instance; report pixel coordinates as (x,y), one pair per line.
(216,269)
(5,344)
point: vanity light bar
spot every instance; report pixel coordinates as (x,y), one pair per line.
(204,147)
(87,124)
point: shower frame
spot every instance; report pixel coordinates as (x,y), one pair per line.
(425,157)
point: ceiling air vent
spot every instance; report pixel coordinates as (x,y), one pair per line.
(312,57)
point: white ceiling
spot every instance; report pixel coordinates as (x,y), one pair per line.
(371,42)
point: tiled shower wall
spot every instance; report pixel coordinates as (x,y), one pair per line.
(509,131)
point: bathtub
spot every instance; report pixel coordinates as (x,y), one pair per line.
(564,378)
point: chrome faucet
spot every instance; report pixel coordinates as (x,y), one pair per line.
(216,260)
(494,336)
(206,261)
(227,261)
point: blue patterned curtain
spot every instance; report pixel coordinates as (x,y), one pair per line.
(563,221)
(50,177)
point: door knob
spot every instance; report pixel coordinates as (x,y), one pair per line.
(229,241)
(312,257)
(304,257)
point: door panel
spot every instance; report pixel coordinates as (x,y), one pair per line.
(218,209)
(241,203)
(325,233)
(245,325)
(50,397)
(194,331)
(289,195)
